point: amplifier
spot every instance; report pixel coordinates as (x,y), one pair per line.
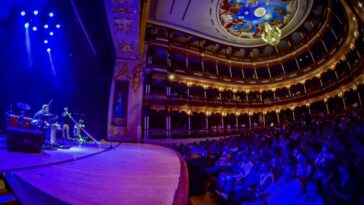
(24,140)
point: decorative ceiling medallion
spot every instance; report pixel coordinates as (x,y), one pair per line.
(245,19)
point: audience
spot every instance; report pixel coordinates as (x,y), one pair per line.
(318,160)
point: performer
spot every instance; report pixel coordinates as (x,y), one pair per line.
(65,122)
(42,114)
(42,118)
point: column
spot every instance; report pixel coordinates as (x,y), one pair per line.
(146,126)
(206,122)
(222,122)
(308,108)
(217,68)
(186,62)
(231,73)
(263,118)
(168,126)
(283,70)
(304,89)
(344,103)
(256,74)
(359,98)
(169,62)
(289,92)
(128,62)
(293,114)
(203,65)
(327,107)
(322,85)
(250,121)
(270,74)
(277,114)
(274,96)
(261,97)
(336,75)
(237,122)
(189,124)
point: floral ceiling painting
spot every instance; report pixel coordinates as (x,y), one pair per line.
(245,18)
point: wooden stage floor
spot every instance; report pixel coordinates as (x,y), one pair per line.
(86,174)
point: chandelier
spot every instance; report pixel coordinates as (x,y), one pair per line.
(271,34)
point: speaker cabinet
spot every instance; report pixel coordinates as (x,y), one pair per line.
(24,140)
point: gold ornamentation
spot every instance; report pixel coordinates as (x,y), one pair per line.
(271,34)
(122,10)
(120,1)
(124,71)
(123,24)
(137,77)
(126,47)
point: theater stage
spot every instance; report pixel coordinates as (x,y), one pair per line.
(86,174)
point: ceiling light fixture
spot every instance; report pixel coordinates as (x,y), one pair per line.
(271,34)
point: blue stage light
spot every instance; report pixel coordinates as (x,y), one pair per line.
(58,26)
(46,26)
(51,33)
(35,28)
(45,41)
(22,13)
(48,50)
(26,25)
(35,12)
(51,14)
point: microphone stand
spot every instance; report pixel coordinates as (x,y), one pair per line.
(83,129)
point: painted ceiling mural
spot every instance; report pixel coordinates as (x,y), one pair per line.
(234,22)
(245,18)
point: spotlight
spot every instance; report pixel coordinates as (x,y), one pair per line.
(58,26)
(26,25)
(45,41)
(48,50)
(46,26)
(35,28)
(51,33)
(51,14)
(22,13)
(35,12)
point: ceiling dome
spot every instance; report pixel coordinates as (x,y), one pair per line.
(243,20)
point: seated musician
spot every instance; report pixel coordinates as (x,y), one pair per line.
(43,118)
(42,115)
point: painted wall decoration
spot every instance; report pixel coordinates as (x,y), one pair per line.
(120,103)
(246,18)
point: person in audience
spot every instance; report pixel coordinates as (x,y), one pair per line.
(304,169)
(311,195)
(302,155)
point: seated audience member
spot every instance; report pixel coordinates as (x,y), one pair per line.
(323,155)
(254,185)
(311,195)
(283,192)
(343,186)
(304,169)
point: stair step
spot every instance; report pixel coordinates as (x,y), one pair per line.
(8,199)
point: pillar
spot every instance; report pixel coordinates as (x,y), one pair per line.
(327,107)
(359,98)
(189,124)
(278,120)
(128,69)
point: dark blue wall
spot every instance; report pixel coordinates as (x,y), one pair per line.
(83,78)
